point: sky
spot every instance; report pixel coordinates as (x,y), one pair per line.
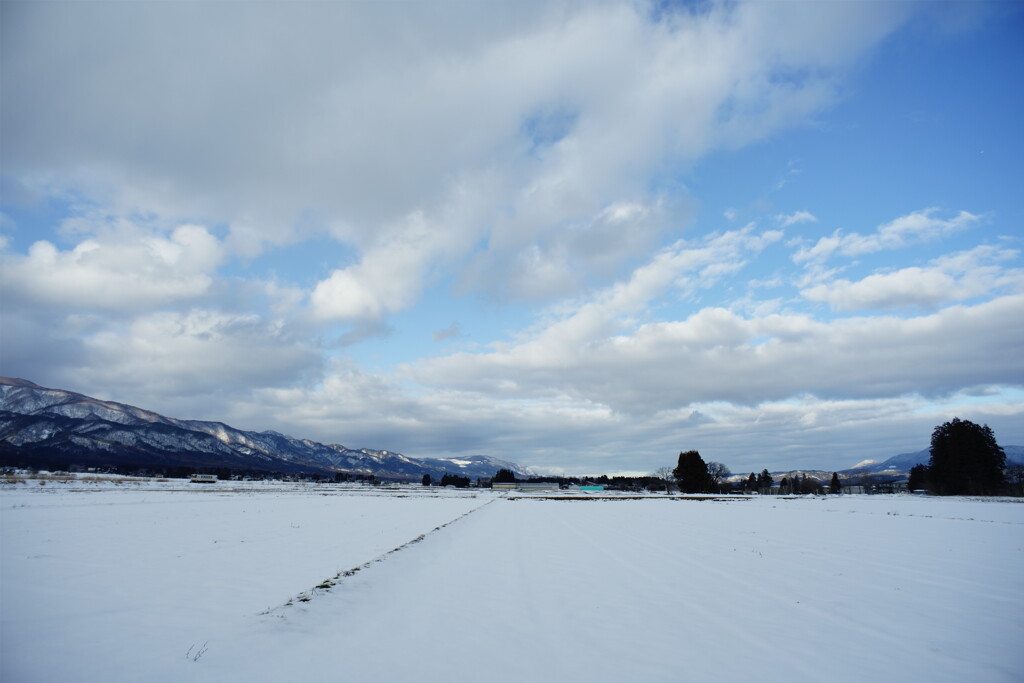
(581,236)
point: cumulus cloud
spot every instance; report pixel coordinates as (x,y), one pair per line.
(529,152)
(919,226)
(718,355)
(124,269)
(539,427)
(959,277)
(684,267)
(194,353)
(192,363)
(565,261)
(556,117)
(811,431)
(390,275)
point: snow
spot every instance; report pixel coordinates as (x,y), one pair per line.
(175,582)
(866,463)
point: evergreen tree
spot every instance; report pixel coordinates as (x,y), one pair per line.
(751,482)
(426,480)
(965,459)
(505,475)
(455,480)
(765,481)
(810,485)
(835,486)
(692,473)
(918,478)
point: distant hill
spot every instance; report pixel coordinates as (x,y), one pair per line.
(40,426)
(901,464)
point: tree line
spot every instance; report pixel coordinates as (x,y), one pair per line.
(964,459)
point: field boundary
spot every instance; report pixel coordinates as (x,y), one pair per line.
(575,498)
(327,584)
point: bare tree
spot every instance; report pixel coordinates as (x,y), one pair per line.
(666,475)
(719,473)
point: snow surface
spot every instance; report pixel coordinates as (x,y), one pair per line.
(866,463)
(177,582)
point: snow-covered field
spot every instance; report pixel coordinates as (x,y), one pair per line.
(152,581)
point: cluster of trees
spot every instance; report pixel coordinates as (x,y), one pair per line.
(455,480)
(761,483)
(964,460)
(799,485)
(693,475)
(504,476)
(185,471)
(1015,479)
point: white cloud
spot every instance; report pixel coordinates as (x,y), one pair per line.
(563,262)
(959,277)
(919,226)
(551,115)
(195,353)
(718,355)
(586,436)
(390,275)
(684,266)
(906,287)
(815,433)
(125,269)
(796,218)
(520,150)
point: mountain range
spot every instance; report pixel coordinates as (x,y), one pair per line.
(41,427)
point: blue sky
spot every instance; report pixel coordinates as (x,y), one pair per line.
(579,236)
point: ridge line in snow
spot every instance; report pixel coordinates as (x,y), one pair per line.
(328,583)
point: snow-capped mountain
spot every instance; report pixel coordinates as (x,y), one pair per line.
(901,464)
(896,465)
(42,425)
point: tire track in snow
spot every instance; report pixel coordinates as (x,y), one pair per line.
(330,582)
